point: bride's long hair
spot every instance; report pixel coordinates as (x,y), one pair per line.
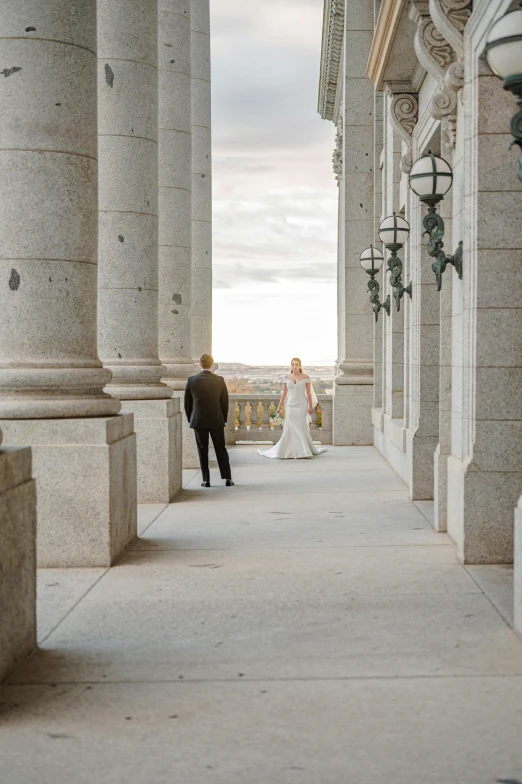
(296,359)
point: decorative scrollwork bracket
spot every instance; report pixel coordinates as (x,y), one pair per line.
(434,228)
(514,85)
(374,289)
(395,268)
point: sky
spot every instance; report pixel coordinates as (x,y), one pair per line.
(274,192)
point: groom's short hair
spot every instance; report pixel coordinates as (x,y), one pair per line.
(206,361)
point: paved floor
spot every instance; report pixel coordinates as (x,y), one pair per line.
(305,627)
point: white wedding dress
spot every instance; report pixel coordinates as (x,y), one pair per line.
(296,440)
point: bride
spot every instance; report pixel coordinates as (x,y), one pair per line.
(299,395)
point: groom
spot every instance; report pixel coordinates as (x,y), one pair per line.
(206,407)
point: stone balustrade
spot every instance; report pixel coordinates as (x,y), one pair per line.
(249,419)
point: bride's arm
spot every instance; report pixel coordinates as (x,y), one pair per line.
(309,396)
(283,398)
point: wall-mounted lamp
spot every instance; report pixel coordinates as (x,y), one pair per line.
(371,261)
(431,178)
(504,56)
(393,233)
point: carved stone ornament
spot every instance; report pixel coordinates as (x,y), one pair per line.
(332,57)
(337,158)
(439,48)
(404,110)
(432,49)
(450,17)
(443,104)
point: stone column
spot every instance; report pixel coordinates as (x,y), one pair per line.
(354,385)
(379,327)
(175,201)
(51,380)
(485,466)
(518,568)
(338,170)
(17,558)
(443,449)
(201,180)
(423,433)
(394,323)
(128,239)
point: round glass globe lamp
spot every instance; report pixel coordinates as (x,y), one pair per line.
(371,260)
(430,177)
(504,46)
(394,230)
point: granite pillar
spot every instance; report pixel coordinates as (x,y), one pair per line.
(485,467)
(443,449)
(201,338)
(354,385)
(394,323)
(17,558)
(423,433)
(175,202)
(128,238)
(51,379)
(379,327)
(517,608)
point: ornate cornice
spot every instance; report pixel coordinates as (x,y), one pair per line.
(337,158)
(385,31)
(331,51)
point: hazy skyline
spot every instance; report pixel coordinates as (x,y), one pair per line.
(275,197)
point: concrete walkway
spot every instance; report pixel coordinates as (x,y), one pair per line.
(305,627)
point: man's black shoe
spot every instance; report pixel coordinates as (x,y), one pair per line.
(205,484)
(229,483)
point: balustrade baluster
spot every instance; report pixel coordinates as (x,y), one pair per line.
(271,408)
(242,416)
(260,410)
(248,415)
(252,415)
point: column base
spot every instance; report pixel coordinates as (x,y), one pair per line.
(137,382)
(440,486)
(189,449)
(177,374)
(157,424)
(480,512)
(17,558)
(352,415)
(421,450)
(86,476)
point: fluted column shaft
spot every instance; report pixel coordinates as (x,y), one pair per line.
(128,193)
(358,139)
(49,365)
(175,186)
(201,180)
(354,383)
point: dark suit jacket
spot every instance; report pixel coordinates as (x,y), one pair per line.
(206,400)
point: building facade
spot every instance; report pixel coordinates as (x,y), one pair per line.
(106,269)
(400,78)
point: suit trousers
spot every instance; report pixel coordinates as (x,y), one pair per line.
(218,439)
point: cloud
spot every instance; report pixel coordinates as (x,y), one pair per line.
(275,197)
